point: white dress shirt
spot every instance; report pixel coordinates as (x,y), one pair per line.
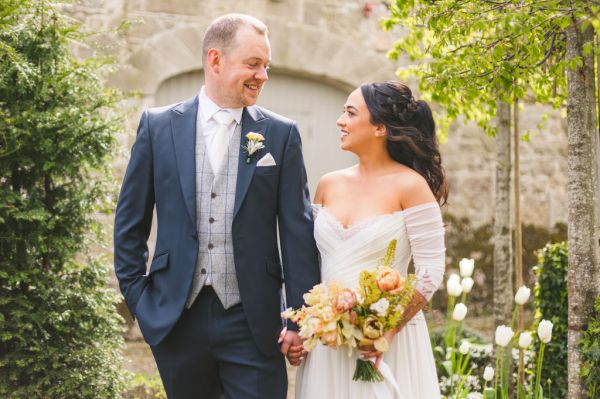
(207,126)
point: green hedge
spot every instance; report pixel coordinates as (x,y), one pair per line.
(551,303)
(59,331)
(590,347)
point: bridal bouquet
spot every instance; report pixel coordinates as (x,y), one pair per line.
(343,317)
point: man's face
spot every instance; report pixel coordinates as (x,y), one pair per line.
(243,69)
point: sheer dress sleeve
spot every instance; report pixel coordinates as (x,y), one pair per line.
(426,235)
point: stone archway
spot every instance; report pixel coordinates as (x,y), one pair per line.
(298,49)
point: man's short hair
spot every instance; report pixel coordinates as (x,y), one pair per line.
(220,34)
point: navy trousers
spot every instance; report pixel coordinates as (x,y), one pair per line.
(210,353)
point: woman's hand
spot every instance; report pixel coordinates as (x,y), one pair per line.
(370,351)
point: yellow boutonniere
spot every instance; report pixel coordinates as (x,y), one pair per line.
(254,143)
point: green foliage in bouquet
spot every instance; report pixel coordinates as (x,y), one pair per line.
(372,293)
(59,332)
(551,304)
(385,298)
(590,347)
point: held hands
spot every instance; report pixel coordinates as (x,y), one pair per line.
(291,346)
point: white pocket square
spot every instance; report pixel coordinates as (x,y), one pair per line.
(267,160)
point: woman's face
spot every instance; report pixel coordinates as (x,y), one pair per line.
(355,122)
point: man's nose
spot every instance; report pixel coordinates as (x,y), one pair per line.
(262,75)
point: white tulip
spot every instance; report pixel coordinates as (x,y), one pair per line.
(525,339)
(503,335)
(453,285)
(454,278)
(466,267)
(460,312)
(488,373)
(464,347)
(545,331)
(467,284)
(522,295)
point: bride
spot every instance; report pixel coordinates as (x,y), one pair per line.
(393,192)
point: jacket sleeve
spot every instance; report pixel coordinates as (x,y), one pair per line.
(133,218)
(298,248)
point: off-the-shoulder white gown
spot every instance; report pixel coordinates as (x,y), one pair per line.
(345,251)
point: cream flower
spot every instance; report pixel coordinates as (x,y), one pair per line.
(288,313)
(503,335)
(254,143)
(315,295)
(545,331)
(460,312)
(464,347)
(309,327)
(466,267)
(255,136)
(525,339)
(372,327)
(467,284)
(488,373)
(522,295)
(380,307)
(453,285)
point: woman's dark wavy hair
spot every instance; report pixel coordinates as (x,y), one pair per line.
(411,137)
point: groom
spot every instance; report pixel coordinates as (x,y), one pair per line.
(210,304)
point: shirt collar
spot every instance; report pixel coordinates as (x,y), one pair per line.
(208,108)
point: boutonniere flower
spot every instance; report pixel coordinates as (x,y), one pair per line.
(254,143)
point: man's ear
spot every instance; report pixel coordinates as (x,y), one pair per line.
(213,59)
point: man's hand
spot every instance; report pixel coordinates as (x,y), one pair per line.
(291,346)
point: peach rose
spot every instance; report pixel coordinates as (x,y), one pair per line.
(389,280)
(344,301)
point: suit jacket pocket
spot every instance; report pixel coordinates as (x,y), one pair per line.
(160,262)
(274,269)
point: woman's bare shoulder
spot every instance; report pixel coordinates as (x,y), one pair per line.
(329,180)
(412,188)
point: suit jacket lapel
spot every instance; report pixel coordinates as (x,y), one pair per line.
(252,121)
(183,129)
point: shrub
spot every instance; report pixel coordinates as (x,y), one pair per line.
(143,386)
(551,304)
(590,347)
(59,332)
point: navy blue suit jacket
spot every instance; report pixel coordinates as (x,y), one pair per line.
(161,172)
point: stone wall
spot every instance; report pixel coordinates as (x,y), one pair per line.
(338,43)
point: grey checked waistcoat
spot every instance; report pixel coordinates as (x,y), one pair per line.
(215,197)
